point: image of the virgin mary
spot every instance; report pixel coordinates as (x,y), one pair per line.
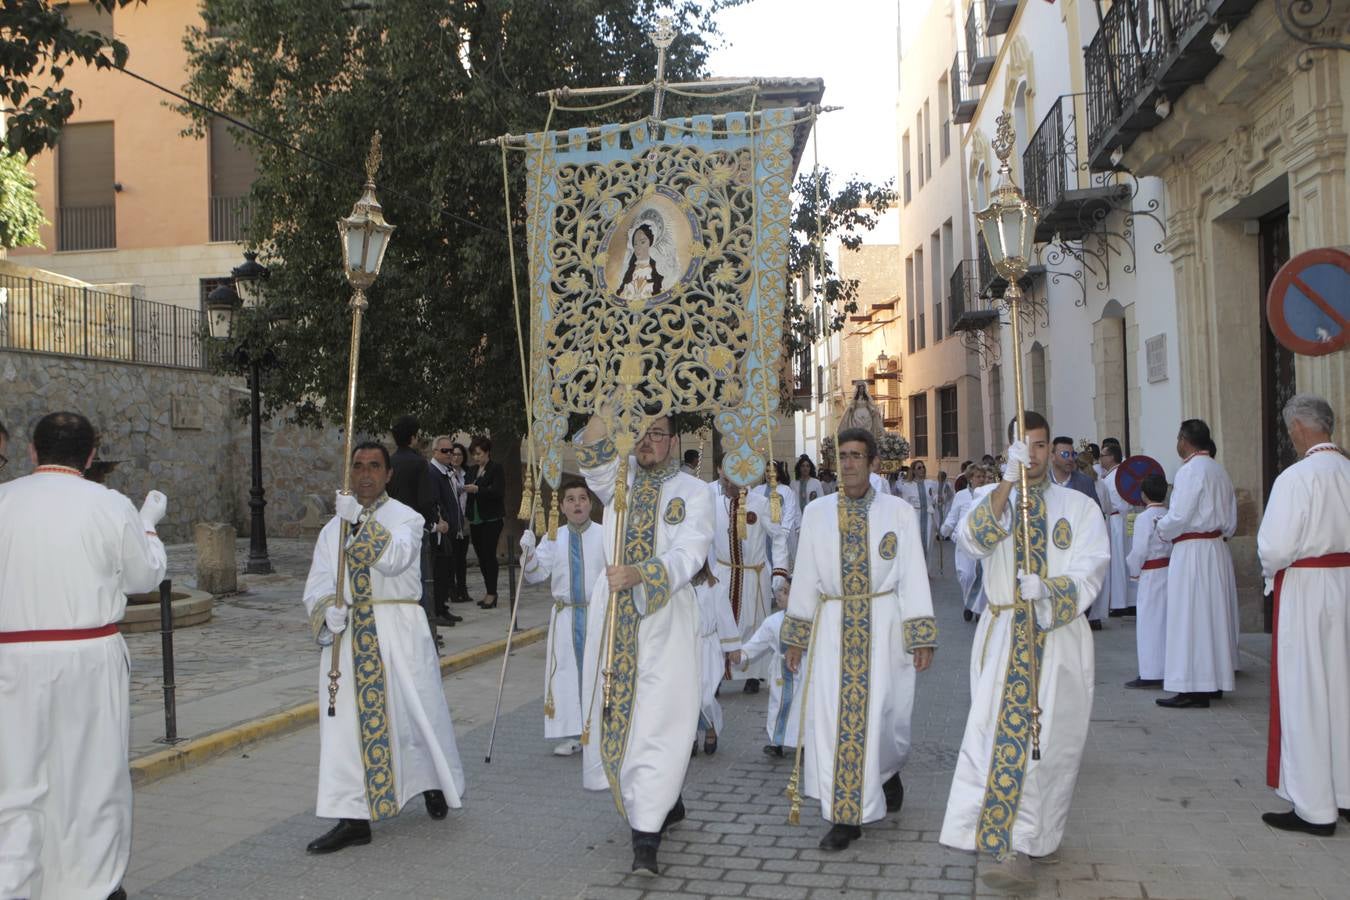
(641,279)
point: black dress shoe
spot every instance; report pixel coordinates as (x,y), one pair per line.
(1291,821)
(119,894)
(773,750)
(710,743)
(445,620)
(462,598)
(967,615)
(645,845)
(1095,624)
(694,752)
(1184,701)
(1143,683)
(839,836)
(1216,695)
(346,833)
(1345,813)
(752,685)
(437,808)
(675,816)
(894,789)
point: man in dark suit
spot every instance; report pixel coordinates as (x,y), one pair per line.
(1064,470)
(447,523)
(411,484)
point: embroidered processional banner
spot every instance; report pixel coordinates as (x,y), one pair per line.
(658,262)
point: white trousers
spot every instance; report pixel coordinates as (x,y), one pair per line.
(65,789)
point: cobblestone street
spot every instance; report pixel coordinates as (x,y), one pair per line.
(1167,805)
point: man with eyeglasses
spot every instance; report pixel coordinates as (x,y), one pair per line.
(639,746)
(861,612)
(1064,472)
(440,536)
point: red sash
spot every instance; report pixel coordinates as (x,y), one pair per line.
(1159,563)
(1197,536)
(57,634)
(1330,561)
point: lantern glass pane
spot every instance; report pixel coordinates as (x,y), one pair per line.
(1029,235)
(219,322)
(1011,223)
(356,245)
(250,291)
(375,250)
(992,240)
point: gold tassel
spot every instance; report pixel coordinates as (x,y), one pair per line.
(553,522)
(775,501)
(794,794)
(549,708)
(740,517)
(539,523)
(526,496)
(586,732)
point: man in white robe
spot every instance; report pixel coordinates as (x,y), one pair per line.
(745,578)
(719,648)
(1004,802)
(1150,556)
(969,571)
(70,552)
(390,737)
(1201,587)
(571,563)
(860,602)
(639,746)
(1118,585)
(1304,544)
(789,518)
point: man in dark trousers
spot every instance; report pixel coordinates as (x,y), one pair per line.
(411,484)
(446,524)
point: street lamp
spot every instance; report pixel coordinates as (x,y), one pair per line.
(1008,225)
(250,280)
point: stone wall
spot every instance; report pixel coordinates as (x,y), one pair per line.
(179,431)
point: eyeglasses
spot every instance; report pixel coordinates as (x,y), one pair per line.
(853,455)
(1065,454)
(656,435)
(445,449)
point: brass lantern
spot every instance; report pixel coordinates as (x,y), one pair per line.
(1008,223)
(365,233)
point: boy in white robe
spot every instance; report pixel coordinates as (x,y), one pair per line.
(969,572)
(783,716)
(860,601)
(638,748)
(1119,587)
(72,551)
(1148,560)
(390,738)
(1304,544)
(571,563)
(719,647)
(1004,802)
(1201,587)
(744,576)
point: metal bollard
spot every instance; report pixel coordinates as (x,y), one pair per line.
(166,642)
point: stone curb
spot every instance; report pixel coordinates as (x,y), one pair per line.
(154,766)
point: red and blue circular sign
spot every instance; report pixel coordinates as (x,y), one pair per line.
(1130,477)
(1308,304)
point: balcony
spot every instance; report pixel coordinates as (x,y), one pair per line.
(1000,15)
(1145,52)
(230,218)
(801,376)
(969,311)
(979,48)
(1071,199)
(86,227)
(963,96)
(892,411)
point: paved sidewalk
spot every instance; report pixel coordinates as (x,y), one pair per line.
(256,655)
(1167,805)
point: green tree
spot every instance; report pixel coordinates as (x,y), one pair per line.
(822,211)
(20,214)
(37,42)
(435,77)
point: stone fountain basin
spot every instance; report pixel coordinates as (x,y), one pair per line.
(189,607)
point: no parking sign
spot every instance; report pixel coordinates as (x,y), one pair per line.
(1308,305)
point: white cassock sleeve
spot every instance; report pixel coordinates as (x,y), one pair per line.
(913,597)
(804,597)
(540,564)
(778,540)
(143,558)
(601,477)
(321,585)
(763,641)
(403,548)
(1185,492)
(674,567)
(1282,529)
(1134,563)
(953,519)
(1088,561)
(728,633)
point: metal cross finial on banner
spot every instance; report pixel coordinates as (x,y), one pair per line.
(662,37)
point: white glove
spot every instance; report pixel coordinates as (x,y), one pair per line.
(152,510)
(1019,457)
(779,583)
(336,619)
(1032,588)
(348,507)
(527,545)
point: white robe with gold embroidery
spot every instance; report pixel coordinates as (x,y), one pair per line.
(1033,794)
(857,732)
(417,737)
(641,751)
(571,578)
(748,593)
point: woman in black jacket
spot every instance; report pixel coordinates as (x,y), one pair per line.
(485,485)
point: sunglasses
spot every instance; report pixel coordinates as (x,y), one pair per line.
(445,449)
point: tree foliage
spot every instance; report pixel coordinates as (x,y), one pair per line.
(435,77)
(37,43)
(845,214)
(20,213)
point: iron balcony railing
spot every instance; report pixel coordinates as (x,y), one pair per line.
(1144,50)
(49,317)
(86,227)
(963,95)
(958,294)
(1000,16)
(801,375)
(230,218)
(1071,198)
(979,47)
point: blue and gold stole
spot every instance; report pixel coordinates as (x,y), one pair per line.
(363,550)
(639,548)
(576,571)
(855,658)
